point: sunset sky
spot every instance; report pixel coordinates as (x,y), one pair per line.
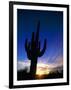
(51,28)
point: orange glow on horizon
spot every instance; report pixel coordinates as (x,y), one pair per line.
(42,69)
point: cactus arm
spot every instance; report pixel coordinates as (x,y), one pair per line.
(26,42)
(27,48)
(32,41)
(27,45)
(43,50)
(29,54)
(39,45)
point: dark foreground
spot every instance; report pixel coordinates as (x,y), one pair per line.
(22,75)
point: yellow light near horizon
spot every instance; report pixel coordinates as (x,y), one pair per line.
(42,69)
(40,72)
(42,65)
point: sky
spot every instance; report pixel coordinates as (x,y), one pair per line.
(51,28)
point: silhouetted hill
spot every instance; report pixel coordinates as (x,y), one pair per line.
(56,73)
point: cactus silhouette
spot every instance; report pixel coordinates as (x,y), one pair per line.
(33,50)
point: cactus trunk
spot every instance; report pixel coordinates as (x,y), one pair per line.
(33,67)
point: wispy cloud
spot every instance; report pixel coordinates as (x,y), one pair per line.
(21,65)
(25,64)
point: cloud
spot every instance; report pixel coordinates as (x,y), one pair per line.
(22,65)
(25,64)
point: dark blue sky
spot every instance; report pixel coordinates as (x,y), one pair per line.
(51,28)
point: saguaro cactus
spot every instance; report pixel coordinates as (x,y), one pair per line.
(33,50)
